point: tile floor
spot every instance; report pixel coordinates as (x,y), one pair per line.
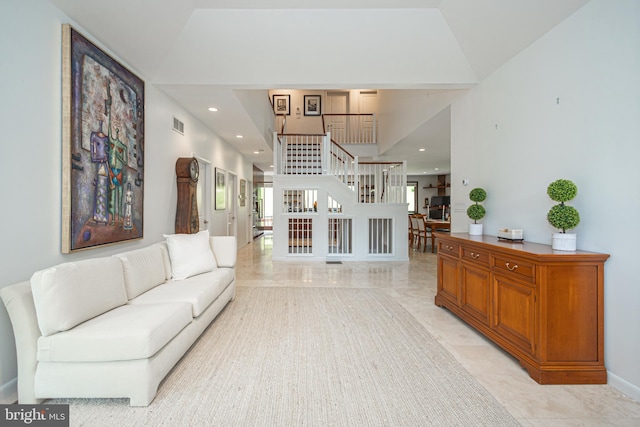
(413,285)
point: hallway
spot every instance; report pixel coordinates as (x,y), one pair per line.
(413,285)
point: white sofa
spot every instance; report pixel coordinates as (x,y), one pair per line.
(115,326)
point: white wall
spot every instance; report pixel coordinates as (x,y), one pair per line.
(30,158)
(566,107)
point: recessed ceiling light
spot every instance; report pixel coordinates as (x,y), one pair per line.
(214,109)
(437,169)
(270,166)
(239,136)
(422,149)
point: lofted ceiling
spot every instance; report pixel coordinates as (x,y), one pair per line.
(222,53)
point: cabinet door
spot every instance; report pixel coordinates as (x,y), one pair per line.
(514,312)
(448,278)
(475,291)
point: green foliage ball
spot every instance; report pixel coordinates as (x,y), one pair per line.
(562,190)
(476,212)
(563,217)
(477,195)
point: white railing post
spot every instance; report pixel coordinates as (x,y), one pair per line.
(326,154)
(276,153)
(403,193)
(356,179)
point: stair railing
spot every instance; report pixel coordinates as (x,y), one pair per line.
(299,154)
(315,154)
(382,182)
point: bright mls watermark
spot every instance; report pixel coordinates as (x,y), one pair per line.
(34,415)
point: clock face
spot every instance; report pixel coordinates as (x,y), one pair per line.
(194,170)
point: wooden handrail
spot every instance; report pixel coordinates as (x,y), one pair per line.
(380,163)
(301,134)
(338,145)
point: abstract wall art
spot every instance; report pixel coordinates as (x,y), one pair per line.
(102,147)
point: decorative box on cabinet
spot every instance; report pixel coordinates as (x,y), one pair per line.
(544,307)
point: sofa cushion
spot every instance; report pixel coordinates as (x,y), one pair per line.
(125,333)
(199,291)
(71,293)
(190,254)
(143,269)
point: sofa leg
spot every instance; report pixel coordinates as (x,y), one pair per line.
(143,399)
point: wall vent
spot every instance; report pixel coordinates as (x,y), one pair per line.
(178,126)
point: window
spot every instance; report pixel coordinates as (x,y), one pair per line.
(412,196)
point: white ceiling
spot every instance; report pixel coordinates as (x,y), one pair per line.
(202,52)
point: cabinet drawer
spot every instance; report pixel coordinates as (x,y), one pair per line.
(449,248)
(475,256)
(515,266)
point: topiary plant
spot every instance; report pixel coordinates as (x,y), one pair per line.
(476,211)
(562,216)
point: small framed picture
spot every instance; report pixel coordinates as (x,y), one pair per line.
(312,105)
(282,104)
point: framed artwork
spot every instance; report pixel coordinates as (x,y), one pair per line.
(102,147)
(282,104)
(312,105)
(243,192)
(221,190)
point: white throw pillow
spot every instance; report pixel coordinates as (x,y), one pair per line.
(190,254)
(74,292)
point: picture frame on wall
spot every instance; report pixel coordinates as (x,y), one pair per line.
(281,104)
(102,147)
(221,191)
(312,105)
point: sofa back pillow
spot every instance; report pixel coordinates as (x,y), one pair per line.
(74,292)
(165,258)
(143,269)
(225,250)
(190,254)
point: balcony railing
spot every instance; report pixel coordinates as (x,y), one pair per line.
(351,128)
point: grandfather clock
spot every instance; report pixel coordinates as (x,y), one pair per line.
(187,172)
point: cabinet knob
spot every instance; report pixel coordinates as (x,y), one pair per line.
(475,255)
(509,267)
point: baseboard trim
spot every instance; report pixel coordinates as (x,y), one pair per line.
(9,392)
(624,386)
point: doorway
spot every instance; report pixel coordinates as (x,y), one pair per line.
(203,192)
(337,103)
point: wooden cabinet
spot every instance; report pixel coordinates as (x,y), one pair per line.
(544,307)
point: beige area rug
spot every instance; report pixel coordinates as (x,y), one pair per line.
(309,357)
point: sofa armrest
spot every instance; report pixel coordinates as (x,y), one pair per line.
(19,302)
(225,249)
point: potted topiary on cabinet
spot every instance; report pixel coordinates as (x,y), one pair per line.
(476,211)
(561,216)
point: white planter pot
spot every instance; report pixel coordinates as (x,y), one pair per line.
(563,241)
(475,229)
